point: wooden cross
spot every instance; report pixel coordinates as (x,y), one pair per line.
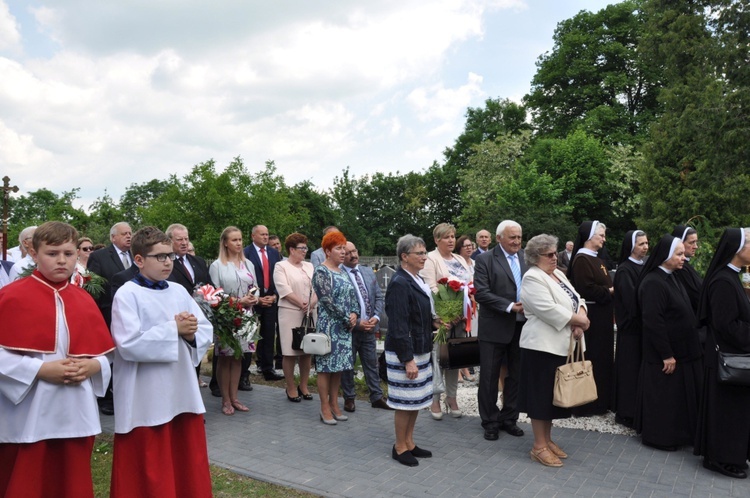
(7,189)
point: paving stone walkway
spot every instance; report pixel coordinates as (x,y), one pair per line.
(285,443)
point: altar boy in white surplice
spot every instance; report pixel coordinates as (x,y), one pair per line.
(53,343)
(161,336)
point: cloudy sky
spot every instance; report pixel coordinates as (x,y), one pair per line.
(99,95)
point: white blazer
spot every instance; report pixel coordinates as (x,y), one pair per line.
(548,311)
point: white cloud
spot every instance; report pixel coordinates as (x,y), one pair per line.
(10,34)
(128,91)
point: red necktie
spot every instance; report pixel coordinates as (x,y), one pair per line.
(266,276)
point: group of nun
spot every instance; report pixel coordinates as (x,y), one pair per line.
(663,380)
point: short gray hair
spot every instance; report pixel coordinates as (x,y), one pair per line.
(537,245)
(406,243)
(506,224)
(113,230)
(26,233)
(175,226)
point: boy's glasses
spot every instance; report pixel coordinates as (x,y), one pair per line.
(162,257)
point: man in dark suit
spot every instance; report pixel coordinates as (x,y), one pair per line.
(497,279)
(483,243)
(107,262)
(264,259)
(189,271)
(564,257)
(371,303)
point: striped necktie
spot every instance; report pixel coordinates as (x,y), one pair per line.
(516,275)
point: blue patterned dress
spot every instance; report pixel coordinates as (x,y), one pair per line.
(337,299)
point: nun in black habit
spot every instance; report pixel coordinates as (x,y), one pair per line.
(723,436)
(671,371)
(590,277)
(628,350)
(688,276)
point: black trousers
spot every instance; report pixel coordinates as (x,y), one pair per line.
(491,355)
(265,347)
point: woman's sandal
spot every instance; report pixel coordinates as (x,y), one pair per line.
(239,406)
(545,457)
(227,408)
(554,448)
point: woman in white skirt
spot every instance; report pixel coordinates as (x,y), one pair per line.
(411,320)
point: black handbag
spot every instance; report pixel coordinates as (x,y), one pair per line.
(733,369)
(459,352)
(306,327)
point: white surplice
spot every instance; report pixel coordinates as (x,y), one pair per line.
(154,368)
(32,410)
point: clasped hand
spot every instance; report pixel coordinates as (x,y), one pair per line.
(68,371)
(187,325)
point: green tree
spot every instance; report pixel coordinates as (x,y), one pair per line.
(498,116)
(697,162)
(594,79)
(499,185)
(137,198)
(42,205)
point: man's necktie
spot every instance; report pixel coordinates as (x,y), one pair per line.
(363,292)
(516,275)
(125,260)
(184,269)
(266,274)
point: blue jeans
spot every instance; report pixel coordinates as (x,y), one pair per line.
(363,343)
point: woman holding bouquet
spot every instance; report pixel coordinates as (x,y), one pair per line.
(236,275)
(338,308)
(408,304)
(444,263)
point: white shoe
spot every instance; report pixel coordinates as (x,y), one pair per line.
(436,416)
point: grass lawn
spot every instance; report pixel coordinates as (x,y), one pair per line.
(226,484)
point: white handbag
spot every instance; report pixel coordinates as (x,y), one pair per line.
(316,343)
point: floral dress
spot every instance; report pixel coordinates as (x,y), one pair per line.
(337,299)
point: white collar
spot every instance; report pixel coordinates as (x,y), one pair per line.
(583,250)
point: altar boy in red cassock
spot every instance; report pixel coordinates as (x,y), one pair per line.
(161,336)
(53,343)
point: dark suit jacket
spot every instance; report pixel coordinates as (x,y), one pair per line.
(476,253)
(374,293)
(106,263)
(122,277)
(563,261)
(496,290)
(273,257)
(200,270)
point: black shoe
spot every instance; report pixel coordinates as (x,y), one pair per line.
(107,409)
(382,404)
(661,447)
(405,458)
(216,392)
(295,399)
(490,435)
(420,453)
(727,469)
(513,430)
(307,396)
(349,405)
(271,376)
(244,386)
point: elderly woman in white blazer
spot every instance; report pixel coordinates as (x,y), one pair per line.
(444,263)
(554,311)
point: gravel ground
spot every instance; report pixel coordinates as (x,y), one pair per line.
(467,401)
